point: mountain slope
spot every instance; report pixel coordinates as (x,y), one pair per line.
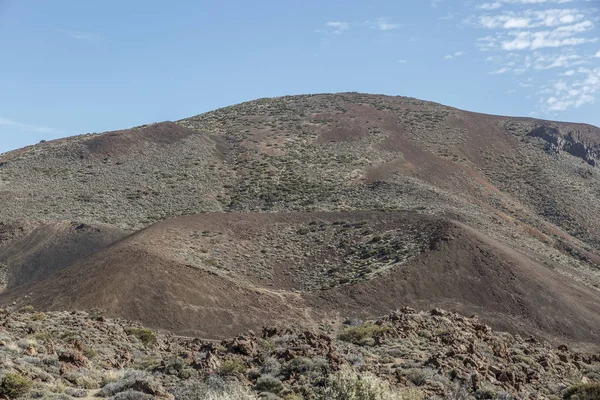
(522,193)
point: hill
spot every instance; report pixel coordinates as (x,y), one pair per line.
(516,198)
(215,275)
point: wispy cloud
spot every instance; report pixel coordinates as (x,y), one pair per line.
(528,40)
(597,55)
(497,4)
(25,127)
(499,71)
(451,56)
(448,17)
(490,6)
(402,61)
(576,93)
(383,24)
(532,18)
(550,61)
(338,27)
(88,37)
(538,36)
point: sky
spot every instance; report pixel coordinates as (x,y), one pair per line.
(70,67)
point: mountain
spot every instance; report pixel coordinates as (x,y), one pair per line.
(305,209)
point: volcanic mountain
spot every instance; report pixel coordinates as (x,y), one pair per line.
(311,210)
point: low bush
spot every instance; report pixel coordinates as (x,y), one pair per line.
(585,391)
(268,383)
(232,367)
(357,334)
(347,384)
(146,336)
(15,385)
(214,388)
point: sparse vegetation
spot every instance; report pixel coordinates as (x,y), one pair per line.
(585,391)
(289,363)
(349,385)
(232,367)
(15,385)
(146,336)
(358,334)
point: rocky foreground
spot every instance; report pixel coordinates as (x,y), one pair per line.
(405,355)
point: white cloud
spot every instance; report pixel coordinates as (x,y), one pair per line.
(88,37)
(574,93)
(25,127)
(451,56)
(497,4)
(490,6)
(537,35)
(382,24)
(338,27)
(533,19)
(540,40)
(487,43)
(402,61)
(513,23)
(545,61)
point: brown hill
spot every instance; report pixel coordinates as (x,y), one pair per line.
(214,275)
(529,185)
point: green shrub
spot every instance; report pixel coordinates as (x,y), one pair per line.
(43,336)
(38,316)
(300,365)
(346,384)
(211,390)
(232,367)
(357,334)
(586,391)
(268,383)
(26,309)
(419,377)
(90,353)
(146,336)
(15,385)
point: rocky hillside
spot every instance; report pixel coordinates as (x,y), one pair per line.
(405,355)
(485,214)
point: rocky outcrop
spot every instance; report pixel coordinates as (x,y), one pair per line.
(572,142)
(437,354)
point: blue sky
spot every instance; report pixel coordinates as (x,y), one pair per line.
(70,66)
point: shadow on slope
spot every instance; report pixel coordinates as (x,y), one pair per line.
(47,248)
